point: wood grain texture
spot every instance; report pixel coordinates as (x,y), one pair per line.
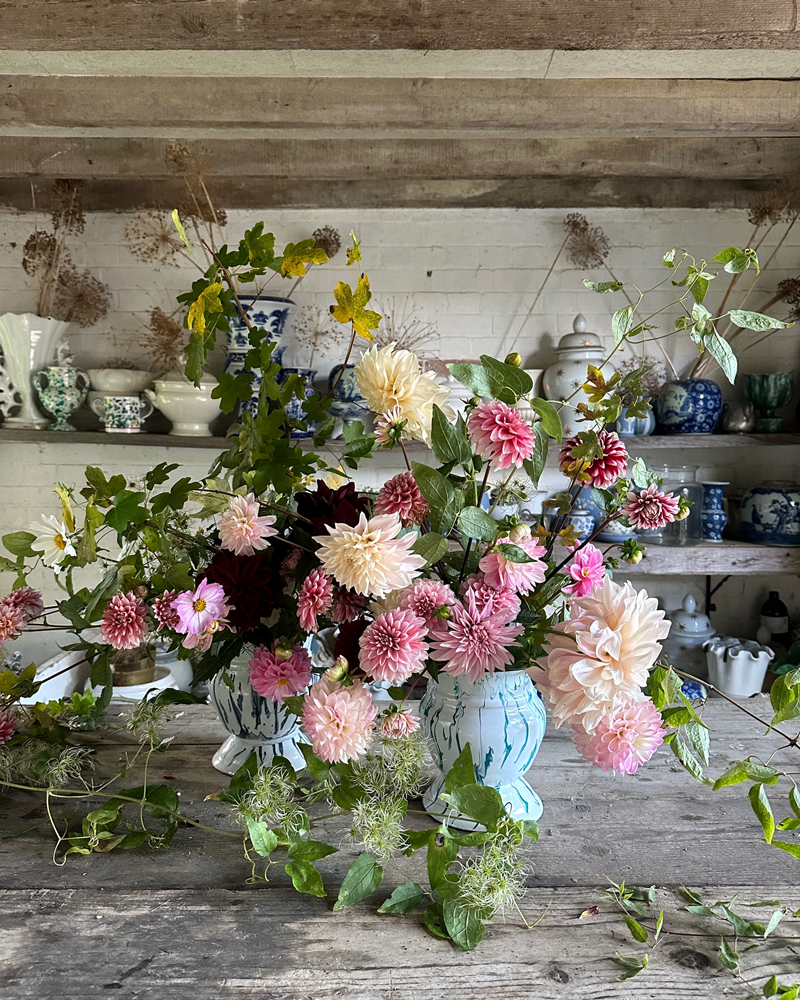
(399,24)
(736,558)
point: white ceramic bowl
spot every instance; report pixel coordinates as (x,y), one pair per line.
(190,409)
(120,381)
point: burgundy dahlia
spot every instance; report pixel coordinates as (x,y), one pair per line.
(347,642)
(328,507)
(252,584)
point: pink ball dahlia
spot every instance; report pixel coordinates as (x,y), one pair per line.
(338,720)
(12,622)
(242,530)
(502,602)
(500,435)
(393,647)
(425,597)
(398,725)
(198,608)
(600,472)
(474,642)
(502,574)
(624,740)
(25,599)
(275,675)
(401,496)
(586,570)
(124,622)
(163,611)
(650,508)
(315,598)
(8,726)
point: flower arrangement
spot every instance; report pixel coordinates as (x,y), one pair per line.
(417,581)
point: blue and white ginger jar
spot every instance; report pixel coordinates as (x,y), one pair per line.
(691,406)
(267,312)
(771,513)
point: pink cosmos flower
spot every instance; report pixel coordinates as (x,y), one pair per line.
(197,609)
(474,642)
(124,622)
(601,472)
(502,574)
(338,720)
(586,569)
(389,428)
(315,598)
(500,435)
(425,597)
(25,599)
(242,530)
(347,605)
(275,675)
(8,726)
(624,740)
(503,602)
(397,725)
(401,496)
(163,611)
(651,508)
(12,622)
(393,647)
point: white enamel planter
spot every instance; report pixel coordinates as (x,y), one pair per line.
(503,719)
(737,671)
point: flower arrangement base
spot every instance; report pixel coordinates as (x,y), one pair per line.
(503,719)
(235,751)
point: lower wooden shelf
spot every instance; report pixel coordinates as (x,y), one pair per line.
(715,559)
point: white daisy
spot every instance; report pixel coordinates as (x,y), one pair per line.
(52,539)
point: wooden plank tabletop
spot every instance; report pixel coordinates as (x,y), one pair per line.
(183,922)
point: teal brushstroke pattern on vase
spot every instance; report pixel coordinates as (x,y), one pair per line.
(503,719)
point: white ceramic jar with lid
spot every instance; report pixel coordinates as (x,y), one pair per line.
(684,646)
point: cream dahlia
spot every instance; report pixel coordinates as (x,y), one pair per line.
(315,598)
(500,435)
(473,641)
(600,472)
(426,598)
(393,647)
(401,496)
(503,574)
(124,622)
(275,675)
(624,740)
(338,720)
(650,508)
(242,530)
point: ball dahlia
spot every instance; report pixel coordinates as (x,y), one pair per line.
(338,720)
(401,496)
(600,472)
(124,621)
(315,598)
(500,435)
(393,647)
(25,599)
(623,740)
(650,508)
(278,676)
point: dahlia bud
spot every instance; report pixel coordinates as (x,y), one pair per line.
(684,508)
(338,670)
(519,533)
(443,613)
(631,552)
(283,652)
(140,591)
(514,359)
(475,401)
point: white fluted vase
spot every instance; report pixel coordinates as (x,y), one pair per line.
(29,343)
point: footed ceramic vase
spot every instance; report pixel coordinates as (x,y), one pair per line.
(28,343)
(768,393)
(61,391)
(254,723)
(503,719)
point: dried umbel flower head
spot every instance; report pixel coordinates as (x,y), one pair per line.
(773,206)
(123,364)
(164,340)
(80,297)
(402,327)
(179,159)
(152,238)
(789,291)
(197,206)
(329,239)
(40,252)
(653,379)
(587,245)
(67,210)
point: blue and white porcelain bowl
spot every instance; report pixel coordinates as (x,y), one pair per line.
(627,426)
(771,513)
(691,406)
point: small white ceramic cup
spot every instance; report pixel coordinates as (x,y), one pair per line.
(122,414)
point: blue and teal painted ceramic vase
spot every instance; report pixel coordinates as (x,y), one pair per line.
(767,393)
(713,513)
(691,406)
(267,312)
(771,513)
(503,719)
(627,426)
(254,723)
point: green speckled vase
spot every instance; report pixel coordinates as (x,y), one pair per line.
(767,393)
(61,390)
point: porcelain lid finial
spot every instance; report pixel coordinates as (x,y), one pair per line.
(579,323)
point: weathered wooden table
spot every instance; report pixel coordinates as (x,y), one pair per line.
(183,923)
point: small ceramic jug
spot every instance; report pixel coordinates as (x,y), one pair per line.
(61,391)
(122,414)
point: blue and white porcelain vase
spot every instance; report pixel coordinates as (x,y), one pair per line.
(691,406)
(294,408)
(348,403)
(254,723)
(627,426)
(503,719)
(267,312)
(714,516)
(771,513)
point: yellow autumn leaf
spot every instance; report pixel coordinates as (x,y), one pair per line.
(181,231)
(207,301)
(66,507)
(351,307)
(353,252)
(297,255)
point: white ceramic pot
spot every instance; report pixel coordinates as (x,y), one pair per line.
(737,667)
(28,343)
(563,379)
(120,381)
(191,409)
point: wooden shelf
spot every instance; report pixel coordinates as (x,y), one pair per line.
(715,559)
(100,437)
(679,442)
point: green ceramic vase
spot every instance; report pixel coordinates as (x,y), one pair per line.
(767,393)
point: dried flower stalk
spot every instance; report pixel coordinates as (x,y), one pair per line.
(402,327)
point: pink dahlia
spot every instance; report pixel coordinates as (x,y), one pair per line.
(338,720)
(124,622)
(289,562)
(389,428)
(474,642)
(197,609)
(502,602)
(164,612)
(315,598)
(651,508)
(602,471)
(8,726)
(12,622)
(25,599)
(242,530)
(398,725)
(624,740)
(347,605)
(401,496)
(275,675)
(502,574)
(393,647)
(586,570)
(425,598)
(500,435)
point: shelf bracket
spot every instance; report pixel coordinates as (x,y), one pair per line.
(710,591)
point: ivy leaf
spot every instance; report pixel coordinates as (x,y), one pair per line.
(159,474)
(306,878)
(207,301)
(351,307)
(363,877)
(473,522)
(404,898)
(297,255)
(176,497)
(263,839)
(757,321)
(763,810)
(463,924)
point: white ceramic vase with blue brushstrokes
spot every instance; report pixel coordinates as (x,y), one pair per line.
(503,719)
(254,723)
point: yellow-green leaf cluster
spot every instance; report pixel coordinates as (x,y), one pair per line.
(297,255)
(351,307)
(207,301)
(353,252)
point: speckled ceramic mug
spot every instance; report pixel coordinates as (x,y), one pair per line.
(122,414)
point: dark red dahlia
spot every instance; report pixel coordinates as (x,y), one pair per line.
(252,584)
(328,507)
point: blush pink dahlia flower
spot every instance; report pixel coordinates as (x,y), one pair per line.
(389,428)
(242,530)
(124,622)
(500,435)
(275,675)
(25,599)
(198,608)
(474,642)
(425,598)
(338,720)
(650,508)
(398,725)
(393,647)
(624,740)
(401,496)
(586,570)
(600,472)
(8,726)
(368,557)
(164,612)
(600,658)
(502,602)
(502,574)
(315,598)
(12,622)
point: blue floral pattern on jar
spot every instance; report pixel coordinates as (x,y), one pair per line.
(771,514)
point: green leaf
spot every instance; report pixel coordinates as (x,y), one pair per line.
(127,510)
(534,466)
(548,414)
(476,523)
(721,351)
(663,686)
(638,933)
(770,987)
(728,956)
(474,377)
(405,897)
(603,286)
(231,389)
(439,858)
(699,738)
(794,800)
(431,547)
(508,383)
(757,321)
(746,770)
(463,925)
(621,323)
(659,925)
(363,877)
(478,802)
(434,921)
(793,849)
(440,496)
(763,810)
(317,768)
(513,553)
(306,878)
(263,839)
(18,543)
(176,221)
(447,443)
(688,761)
(310,850)
(774,920)
(462,772)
